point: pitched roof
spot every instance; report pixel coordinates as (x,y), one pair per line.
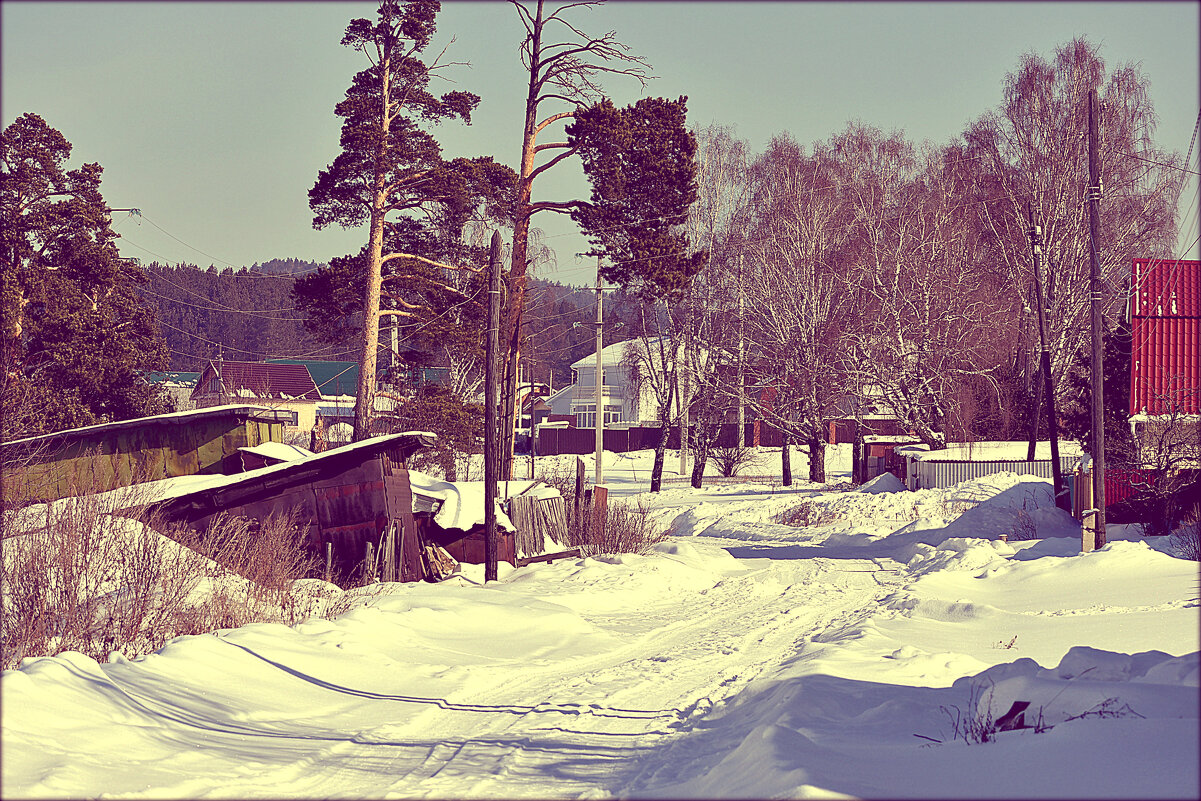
(260,380)
(613,355)
(331,378)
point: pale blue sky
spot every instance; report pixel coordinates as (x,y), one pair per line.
(214,118)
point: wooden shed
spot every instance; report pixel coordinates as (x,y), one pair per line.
(347,499)
(103,457)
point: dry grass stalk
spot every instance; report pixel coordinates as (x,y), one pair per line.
(77,578)
(1186,539)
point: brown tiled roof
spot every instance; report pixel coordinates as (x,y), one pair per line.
(265,380)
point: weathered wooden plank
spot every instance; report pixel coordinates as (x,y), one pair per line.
(570,553)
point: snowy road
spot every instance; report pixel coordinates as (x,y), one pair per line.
(599,723)
(741,658)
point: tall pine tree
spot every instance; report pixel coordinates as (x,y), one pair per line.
(390,170)
(75,333)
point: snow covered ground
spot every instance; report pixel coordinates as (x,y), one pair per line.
(741,658)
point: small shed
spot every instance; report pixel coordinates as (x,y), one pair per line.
(351,501)
(885,454)
(927,469)
(102,457)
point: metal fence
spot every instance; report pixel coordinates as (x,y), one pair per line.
(554,441)
(930,474)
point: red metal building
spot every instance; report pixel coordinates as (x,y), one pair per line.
(1165,374)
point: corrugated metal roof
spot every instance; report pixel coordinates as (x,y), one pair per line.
(1165,367)
(331,377)
(262,379)
(1166,288)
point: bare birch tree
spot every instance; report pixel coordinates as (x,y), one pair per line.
(926,313)
(1035,146)
(795,298)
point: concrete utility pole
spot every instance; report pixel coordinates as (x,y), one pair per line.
(491,400)
(600,381)
(1036,246)
(1098,367)
(741,362)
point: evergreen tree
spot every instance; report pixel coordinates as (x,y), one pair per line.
(76,335)
(1076,413)
(391,169)
(459,427)
(641,161)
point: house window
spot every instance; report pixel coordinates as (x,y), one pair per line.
(585,416)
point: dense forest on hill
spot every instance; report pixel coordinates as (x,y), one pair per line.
(250,315)
(246,315)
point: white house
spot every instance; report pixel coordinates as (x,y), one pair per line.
(623,402)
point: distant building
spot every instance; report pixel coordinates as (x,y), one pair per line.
(277,386)
(623,400)
(177,385)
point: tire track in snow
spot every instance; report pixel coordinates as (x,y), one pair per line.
(598,723)
(603,722)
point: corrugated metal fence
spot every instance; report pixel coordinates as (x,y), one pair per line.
(930,474)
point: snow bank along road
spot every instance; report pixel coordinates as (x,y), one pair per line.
(805,664)
(572,678)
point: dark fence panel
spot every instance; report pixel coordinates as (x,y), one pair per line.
(553,441)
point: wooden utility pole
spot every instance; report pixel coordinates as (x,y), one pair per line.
(1098,366)
(491,401)
(600,380)
(1036,246)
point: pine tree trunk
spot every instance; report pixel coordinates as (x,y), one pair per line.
(365,397)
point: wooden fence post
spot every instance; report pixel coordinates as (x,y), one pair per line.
(579,486)
(600,502)
(329,560)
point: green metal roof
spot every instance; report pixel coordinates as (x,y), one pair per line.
(163,376)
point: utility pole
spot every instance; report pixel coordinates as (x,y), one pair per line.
(741,361)
(1094,288)
(491,399)
(1036,246)
(600,380)
(533,411)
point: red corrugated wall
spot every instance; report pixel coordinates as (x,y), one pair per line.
(1165,369)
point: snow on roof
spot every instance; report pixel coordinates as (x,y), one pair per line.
(890,438)
(462,504)
(994,451)
(611,355)
(172,417)
(279,450)
(166,489)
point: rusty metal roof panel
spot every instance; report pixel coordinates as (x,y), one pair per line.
(270,380)
(247,487)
